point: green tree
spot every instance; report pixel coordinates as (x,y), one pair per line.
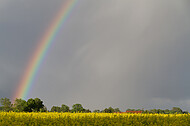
(44,109)
(64,108)
(108,110)
(129,110)
(1,108)
(38,104)
(146,111)
(34,105)
(167,111)
(30,105)
(55,109)
(117,110)
(77,108)
(177,110)
(6,104)
(96,111)
(20,105)
(87,110)
(153,111)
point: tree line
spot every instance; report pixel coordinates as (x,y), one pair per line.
(36,105)
(160,111)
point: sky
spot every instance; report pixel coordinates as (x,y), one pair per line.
(119,53)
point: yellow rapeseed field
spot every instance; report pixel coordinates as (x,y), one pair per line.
(92,119)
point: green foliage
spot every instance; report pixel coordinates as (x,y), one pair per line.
(166,111)
(117,110)
(111,110)
(30,105)
(177,110)
(77,108)
(20,105)
(44,109)
(64,108)
(96,111)
(87,111)
(6,104)
(38,104)
(185,112)
(55,109)
(34,105)
(108,110)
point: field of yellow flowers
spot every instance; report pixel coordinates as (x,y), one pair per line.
(97,119)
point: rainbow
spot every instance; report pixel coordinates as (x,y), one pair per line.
(27,80)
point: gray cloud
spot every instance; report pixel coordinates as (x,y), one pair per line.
(109,53)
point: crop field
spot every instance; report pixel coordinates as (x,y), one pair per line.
(97,119)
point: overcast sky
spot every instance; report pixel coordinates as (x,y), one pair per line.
(119,53)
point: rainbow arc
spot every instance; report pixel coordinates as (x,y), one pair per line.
(27,80)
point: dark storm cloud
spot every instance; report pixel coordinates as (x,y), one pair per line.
(109,53)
